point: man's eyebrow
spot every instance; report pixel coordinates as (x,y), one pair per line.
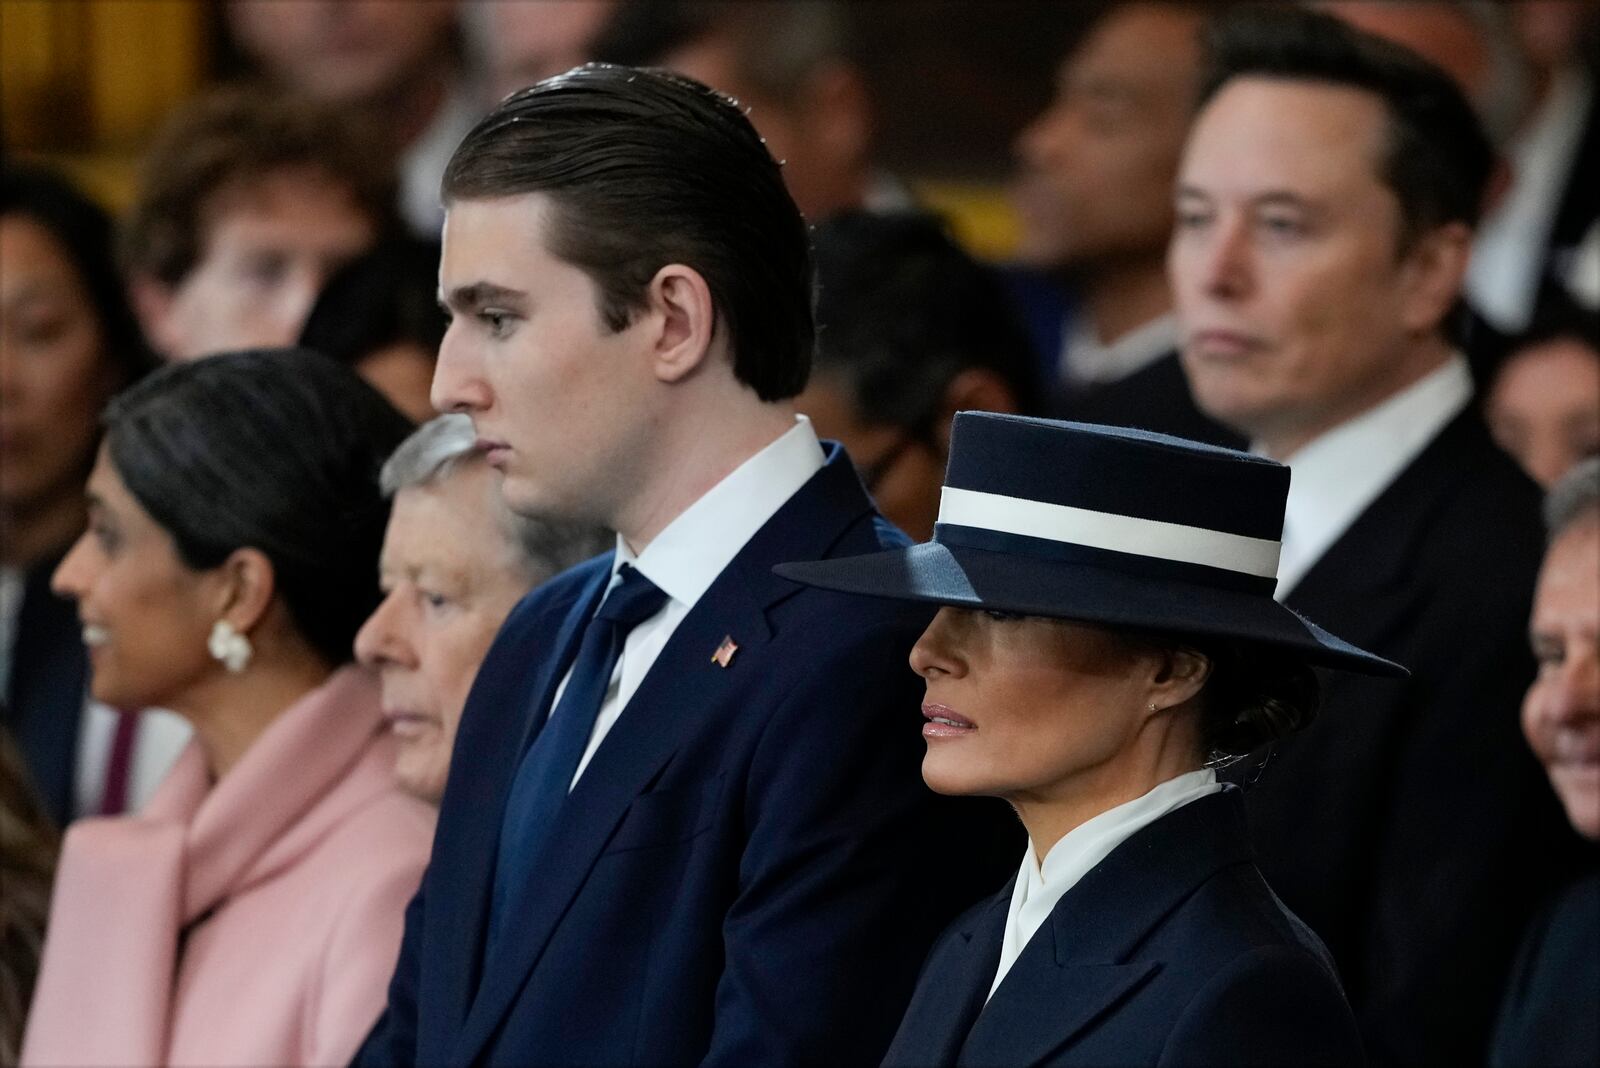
(1279,198)
(478,294)
(1271,198)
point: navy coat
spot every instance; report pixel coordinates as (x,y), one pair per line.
(743,872)
(1171,951)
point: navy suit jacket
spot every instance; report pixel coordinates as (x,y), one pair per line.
(749,871)
(1171,951)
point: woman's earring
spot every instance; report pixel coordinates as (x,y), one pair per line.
(230,647)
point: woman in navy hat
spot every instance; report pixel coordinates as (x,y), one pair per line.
(1108,637)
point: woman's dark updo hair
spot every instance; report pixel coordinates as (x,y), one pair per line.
(1254,696)
(277,450)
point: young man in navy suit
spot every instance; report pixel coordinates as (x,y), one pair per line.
(684,821)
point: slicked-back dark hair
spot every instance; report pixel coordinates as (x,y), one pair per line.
(274,449)
(642,169)
(1437,159)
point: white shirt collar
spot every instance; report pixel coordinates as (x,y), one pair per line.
(686,557)
(1335,477)
(1040,887)
(1085,358)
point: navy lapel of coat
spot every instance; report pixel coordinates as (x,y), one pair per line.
(670,703)
(1083,961)
(951,989)
(465,855)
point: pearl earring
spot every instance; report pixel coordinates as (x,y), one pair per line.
(230,647)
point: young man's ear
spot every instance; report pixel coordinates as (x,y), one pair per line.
(682,319)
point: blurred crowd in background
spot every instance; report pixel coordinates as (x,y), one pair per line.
(991,187)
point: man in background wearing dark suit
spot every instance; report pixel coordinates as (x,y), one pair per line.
(1094,193)
(684,821)
(1325,212)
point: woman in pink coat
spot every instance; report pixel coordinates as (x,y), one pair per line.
(252,912)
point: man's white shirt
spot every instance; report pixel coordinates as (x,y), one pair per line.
(1335,477)
(1507,253)
(1086,360)
(688,555)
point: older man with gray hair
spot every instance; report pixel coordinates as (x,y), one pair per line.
(455,561)
(1548,1013)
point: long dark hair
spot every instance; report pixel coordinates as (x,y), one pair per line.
(85,234)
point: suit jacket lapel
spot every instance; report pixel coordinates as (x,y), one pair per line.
(1083,961)
(466,856)
(951,989)
(669,705)
(1043,1004)
(1363,587)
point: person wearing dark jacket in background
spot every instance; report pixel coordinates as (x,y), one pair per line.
(1325,211)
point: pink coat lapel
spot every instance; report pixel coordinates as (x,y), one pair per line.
(127,887)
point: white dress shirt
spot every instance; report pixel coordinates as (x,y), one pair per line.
(1508,251)
(1333,478)
(421,166)
(686,558)
(1087,360)
(1040,887)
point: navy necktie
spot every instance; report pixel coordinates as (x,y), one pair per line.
(545,775)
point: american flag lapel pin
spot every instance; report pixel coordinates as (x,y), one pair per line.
(724,654)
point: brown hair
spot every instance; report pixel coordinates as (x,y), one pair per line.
(644,168)
(226,143)
(27,865)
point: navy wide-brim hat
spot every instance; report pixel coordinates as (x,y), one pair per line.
(1103,525)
